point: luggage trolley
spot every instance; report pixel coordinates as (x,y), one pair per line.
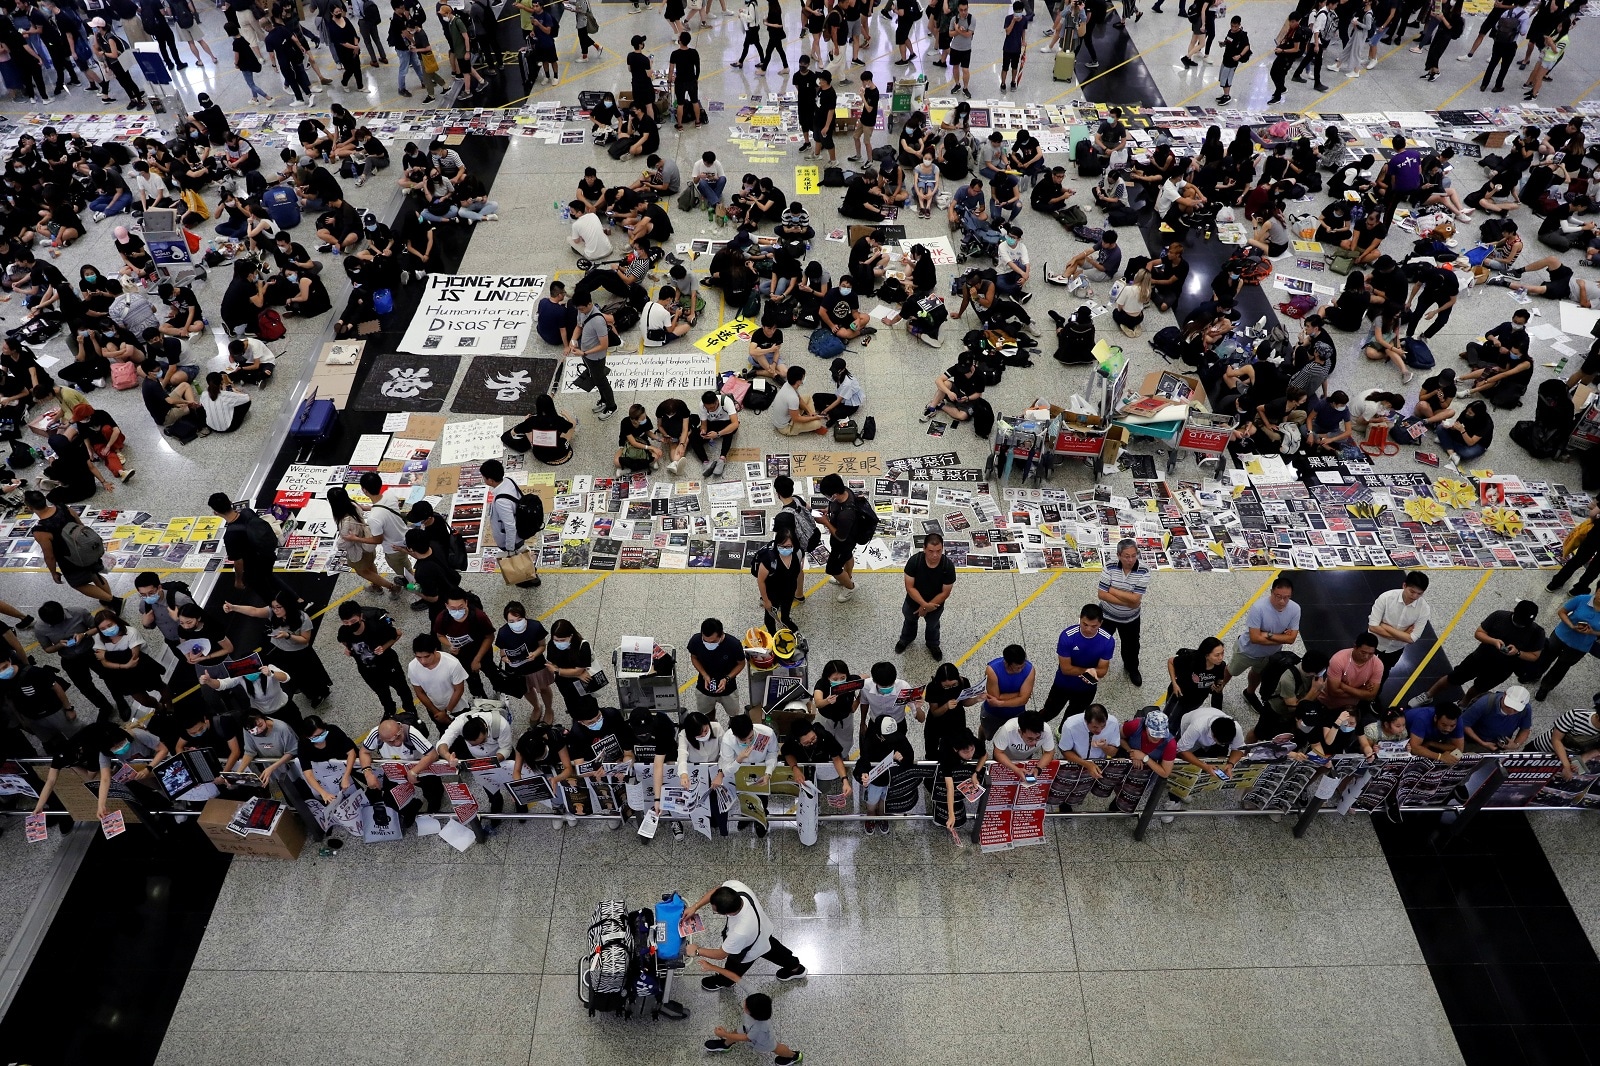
(652,684)
(1206,435)
(1023,444)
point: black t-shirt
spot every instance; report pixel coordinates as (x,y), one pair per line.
(378,630)
(941,692)
(929,581)
(842,306)
(32,692)
(841,708)
(1479,424)
(1501,626)
(1392,284)
(762,340)
(579,656)
(551,738)
(653,734)
(434,577)
(869,105)
(607,743)
(247,56)
(219,731)
(686,64)
(824,749)
(337,746)
(516,647)
(208,630)
(720,661)
(639,432)
(1194,678)
(857,197)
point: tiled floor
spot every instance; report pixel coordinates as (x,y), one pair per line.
(917,950)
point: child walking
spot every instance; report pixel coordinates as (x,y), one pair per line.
(757,1032)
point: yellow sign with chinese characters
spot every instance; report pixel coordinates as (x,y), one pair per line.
(728,333)
(807,181)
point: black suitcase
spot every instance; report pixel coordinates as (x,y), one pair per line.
(530,69)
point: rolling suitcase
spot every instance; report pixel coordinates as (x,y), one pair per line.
(1066,63)
(282,205)
(314,423)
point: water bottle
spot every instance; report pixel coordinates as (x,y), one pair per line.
(669,913)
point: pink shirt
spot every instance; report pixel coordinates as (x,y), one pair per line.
(1343,669)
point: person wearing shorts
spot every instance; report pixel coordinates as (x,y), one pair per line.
(827,102)
(1557,287)
(961,34)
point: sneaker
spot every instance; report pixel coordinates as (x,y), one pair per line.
(1255,702)
(324,248)
(1136,679)
(127,473)
(405,92)
(1541,695)
(1371,63)
(716,1046)
(937,652)
(606,413)
(99,216)
(1421,699)
(844,595)
(1554,586)
(1463,58)
(900,646)
(791,973)
(1581,590)
(26,622)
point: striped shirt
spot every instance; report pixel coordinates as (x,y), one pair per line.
(1579,732)
(1114,577)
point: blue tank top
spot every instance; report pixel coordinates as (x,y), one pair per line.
(1008,683)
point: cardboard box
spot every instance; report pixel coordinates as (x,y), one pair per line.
(1493,138)
(81,799)
(1152,381)
(284,842)
(1116,437)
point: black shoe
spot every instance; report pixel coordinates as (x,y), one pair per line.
(1025,297)
(1055,316)
(1136,678)
(1540,696)
(1187,62)
(715,983)
(937,652)
(1555,586)
(1223,99)
(900,646)
(1324,88)
(791,973)
(1276,97)
(405,93)
(1299,79)
(26,622)
(1581,590)
(420,605)
(1255,702)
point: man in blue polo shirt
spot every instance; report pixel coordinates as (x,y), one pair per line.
(1435,732)
(1083,654)
(1498,721)
(1573,637)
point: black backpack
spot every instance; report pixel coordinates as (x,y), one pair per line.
(1272,672)
(529,515)
(262,538)
(457,555)
(866,519)
(869,428)
(173,588)
(1507,27)
(767,556)
(982,417)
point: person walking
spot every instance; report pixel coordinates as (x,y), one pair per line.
(1288,49)
(1505,32)
(930,578)
(748,936)
(73,553)
(1121,595)
(1585,551)
(780,576)
(368,19)
(592,341)
(1320,29)
(1235,53)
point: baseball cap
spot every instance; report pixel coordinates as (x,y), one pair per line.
(1516,698)
(1156,725)
(98,23)
(420,510)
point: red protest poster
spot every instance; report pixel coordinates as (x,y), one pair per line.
(995,832)
(461,801)
(112,825)
(403,793)
(1027,827)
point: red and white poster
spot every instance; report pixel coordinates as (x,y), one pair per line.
(461,801)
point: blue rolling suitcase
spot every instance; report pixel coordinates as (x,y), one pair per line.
(313,424)
(282,204)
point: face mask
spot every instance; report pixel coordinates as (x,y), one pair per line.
(151,599)
(296,277)
(885,689)
(702,740)
(112,631)
(1012,241)
(595,725)
(319,738)
(8,672)
(253,676)
(844,292)
(458,615)
(123,748)
(257,731)
(1347,729)
(562,645)
(711,645)
(518,626)
(786,552)
(91,277)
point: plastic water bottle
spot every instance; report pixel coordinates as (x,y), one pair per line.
(669,913)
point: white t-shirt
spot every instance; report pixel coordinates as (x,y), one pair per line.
(498,742)
(750,927)
(1128,299)
(591,233)
(702,170)
(254,351)
(440,682)
(1363,409)
(655,317)
(1197,730)
(1075,736)
(1013,258)
(384,520)
(1008,738)
(883,703)
(219,408)
(787,400)
(1390,610)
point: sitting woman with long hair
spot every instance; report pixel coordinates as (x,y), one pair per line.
(225,406)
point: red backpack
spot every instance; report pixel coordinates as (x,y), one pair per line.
(269,325)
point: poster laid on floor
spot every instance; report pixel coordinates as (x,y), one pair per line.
(503,385)
(651,371)
(406,383)
(472,314)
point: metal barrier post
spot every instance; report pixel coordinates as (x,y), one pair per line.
(1323,789)
(1154,794)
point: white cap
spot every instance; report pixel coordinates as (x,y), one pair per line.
(1516,698)
(98,23)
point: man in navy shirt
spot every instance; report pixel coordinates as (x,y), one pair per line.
(1498,721)
(1435,732)
(555,317)
(1083,654)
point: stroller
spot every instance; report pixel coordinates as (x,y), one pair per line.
(977,238)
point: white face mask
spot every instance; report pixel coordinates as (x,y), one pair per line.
(711,645)
(518,626)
